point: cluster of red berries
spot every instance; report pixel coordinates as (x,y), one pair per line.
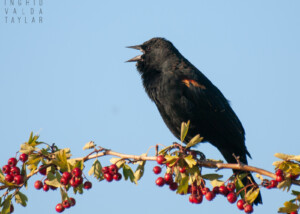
(111,173)
(73,178)
(197,192)
(65,205)
(279,178)
(13,173)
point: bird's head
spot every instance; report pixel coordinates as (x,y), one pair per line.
(156,53)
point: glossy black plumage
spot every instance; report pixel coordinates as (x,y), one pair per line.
(181,93)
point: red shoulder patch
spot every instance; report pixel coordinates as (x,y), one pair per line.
(188,83)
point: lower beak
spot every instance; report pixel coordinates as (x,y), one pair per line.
(137,58)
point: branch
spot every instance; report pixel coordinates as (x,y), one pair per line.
(203,163)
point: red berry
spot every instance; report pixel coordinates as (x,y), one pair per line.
(46,187)
(231,187)
(72,182)
(23,157)
(108,177)
(205,190)
(52,187)
(105,170)
(160,181)
(64,181)
(294,212)
(9,178)
(182,169)
(279,178)
(42,171)
(67,175)
(76,172)
(231,197)
(191,198)
(194,189)
(279,172)
(198,199)
(38,184)
(216,190)
(156,169)
(73,202)
(59,208)
(248,208)
(12,162)
(18,179)
(78,180)
(160,159)
(240,204)
(173,186)
(210,196)
(223,190)
(294,177)
(273,183)
(87,185)
(6,169)
(113,169)
(117,176)
(168,178)
(15,171)
(66,204)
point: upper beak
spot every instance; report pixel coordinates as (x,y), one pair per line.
(137,58)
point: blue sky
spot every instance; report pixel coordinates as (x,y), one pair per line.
(66,80)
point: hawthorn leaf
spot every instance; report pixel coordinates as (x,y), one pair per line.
(190,161)
(184,130)
(194,141)
(252,195)
(89,145)
(21,199)
(212,176)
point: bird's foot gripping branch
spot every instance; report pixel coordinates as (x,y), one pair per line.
(183,166)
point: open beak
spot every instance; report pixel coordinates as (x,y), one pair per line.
(137,58)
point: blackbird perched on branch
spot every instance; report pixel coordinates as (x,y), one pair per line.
(181,93)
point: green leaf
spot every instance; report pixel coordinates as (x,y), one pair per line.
(128,173)
(216,183)
(89,145)
(118,162)
(190,161)
(21,199)
(288,207)
(26,148)
(6,205)
(296,193)
(239,185)
(96,170)
(33,162)
(194,141)
(139,172)
(212,176)
(286,184)
(183,186)
(171,159)
(283,156)
(252,195)
(2,177)
(184,130)
(53,180)
(64,195)
(164,150)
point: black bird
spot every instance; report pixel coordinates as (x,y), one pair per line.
(181,93)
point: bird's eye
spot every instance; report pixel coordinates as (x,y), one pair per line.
(148,48)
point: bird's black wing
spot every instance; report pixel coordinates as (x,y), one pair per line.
(210,110)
